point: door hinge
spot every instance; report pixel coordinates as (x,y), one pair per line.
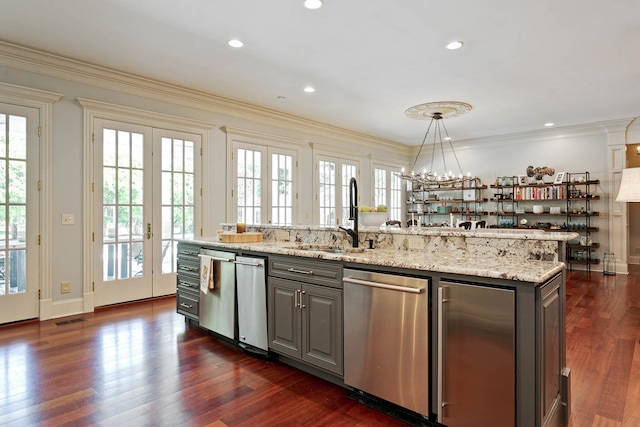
(231,193)
(39,130)
(93,286)
(39,239)
(296,196)
(93,137)
(201,232)
(201,193)
(200,151)
(39,185)
(93,187)
(39,294)
(93,236)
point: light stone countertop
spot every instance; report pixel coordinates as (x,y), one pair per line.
(525,270)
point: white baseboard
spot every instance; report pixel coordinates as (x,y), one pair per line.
(634,260)
(67,307)
(46,311)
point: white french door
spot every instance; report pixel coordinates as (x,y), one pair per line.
(19,213)
(144,199)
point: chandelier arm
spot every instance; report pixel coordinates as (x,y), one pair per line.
(455,156)
(413,167)
(444,160)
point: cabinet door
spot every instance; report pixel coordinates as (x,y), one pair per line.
(322,327)
(284,316)
(550,348)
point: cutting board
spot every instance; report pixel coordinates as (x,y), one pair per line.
(233,237)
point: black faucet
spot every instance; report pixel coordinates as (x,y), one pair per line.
(353,212)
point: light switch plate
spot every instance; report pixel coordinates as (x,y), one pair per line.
(68,219)
(415,243)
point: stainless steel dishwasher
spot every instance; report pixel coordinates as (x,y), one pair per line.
(218,305)
(386,330)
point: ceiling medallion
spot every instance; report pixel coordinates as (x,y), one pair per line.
(446,109)
(436,112)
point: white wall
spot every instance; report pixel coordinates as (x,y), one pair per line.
(67,159)
(570,149)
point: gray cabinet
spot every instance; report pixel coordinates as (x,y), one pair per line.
(187,286)
(305,319)
(550,352)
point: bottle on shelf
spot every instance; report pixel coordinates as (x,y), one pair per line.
(609,263)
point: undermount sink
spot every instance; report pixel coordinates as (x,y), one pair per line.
(325,248)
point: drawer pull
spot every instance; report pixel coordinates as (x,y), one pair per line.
(183,305)
(186,268)
(293,270)
(187,284)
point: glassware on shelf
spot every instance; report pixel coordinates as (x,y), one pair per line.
(609,263)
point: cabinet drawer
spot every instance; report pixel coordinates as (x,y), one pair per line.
(324,273)
(188,283)
(188,268)
(187,305)
(188,251)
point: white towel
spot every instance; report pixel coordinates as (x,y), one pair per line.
(206,273)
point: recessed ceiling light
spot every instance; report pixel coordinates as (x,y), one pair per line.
(454,45)
(313,4)
(548,124)
(235,43)
(309,89)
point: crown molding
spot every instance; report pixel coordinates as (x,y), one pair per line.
(105,110)
(253,137)
(33,60)
(17,93)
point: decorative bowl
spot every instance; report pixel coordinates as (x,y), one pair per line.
(538,209)
(372,219)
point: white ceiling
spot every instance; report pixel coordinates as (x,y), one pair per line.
(523,63)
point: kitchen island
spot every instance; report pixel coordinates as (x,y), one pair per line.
(502,362)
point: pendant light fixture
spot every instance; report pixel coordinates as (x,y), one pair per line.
(436,112)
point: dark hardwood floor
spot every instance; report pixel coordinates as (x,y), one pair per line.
(141,365)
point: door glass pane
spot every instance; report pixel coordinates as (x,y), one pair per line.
(327,192)
(13,207)
(348,172)
(123,195)
(177,196)
(395,197)
(281,189)
(249,186)
(379,187)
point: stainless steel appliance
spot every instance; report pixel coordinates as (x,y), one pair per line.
(476,355)
(252,303)
(386,330)
(217,306)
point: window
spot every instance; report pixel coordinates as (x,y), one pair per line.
(264,184)
(333,177)
(387,190)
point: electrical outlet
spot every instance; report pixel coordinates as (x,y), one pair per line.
(65,287)
(602,214)
(415,243)
(282,236)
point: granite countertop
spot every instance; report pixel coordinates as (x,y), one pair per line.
(525,270)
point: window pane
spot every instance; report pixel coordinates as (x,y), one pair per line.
(124,149)
(17,181)
(137,151)
(109,147)
(17,137)
(178,159)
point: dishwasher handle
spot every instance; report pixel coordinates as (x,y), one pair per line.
(250,264)
(381,285)
(218,259)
